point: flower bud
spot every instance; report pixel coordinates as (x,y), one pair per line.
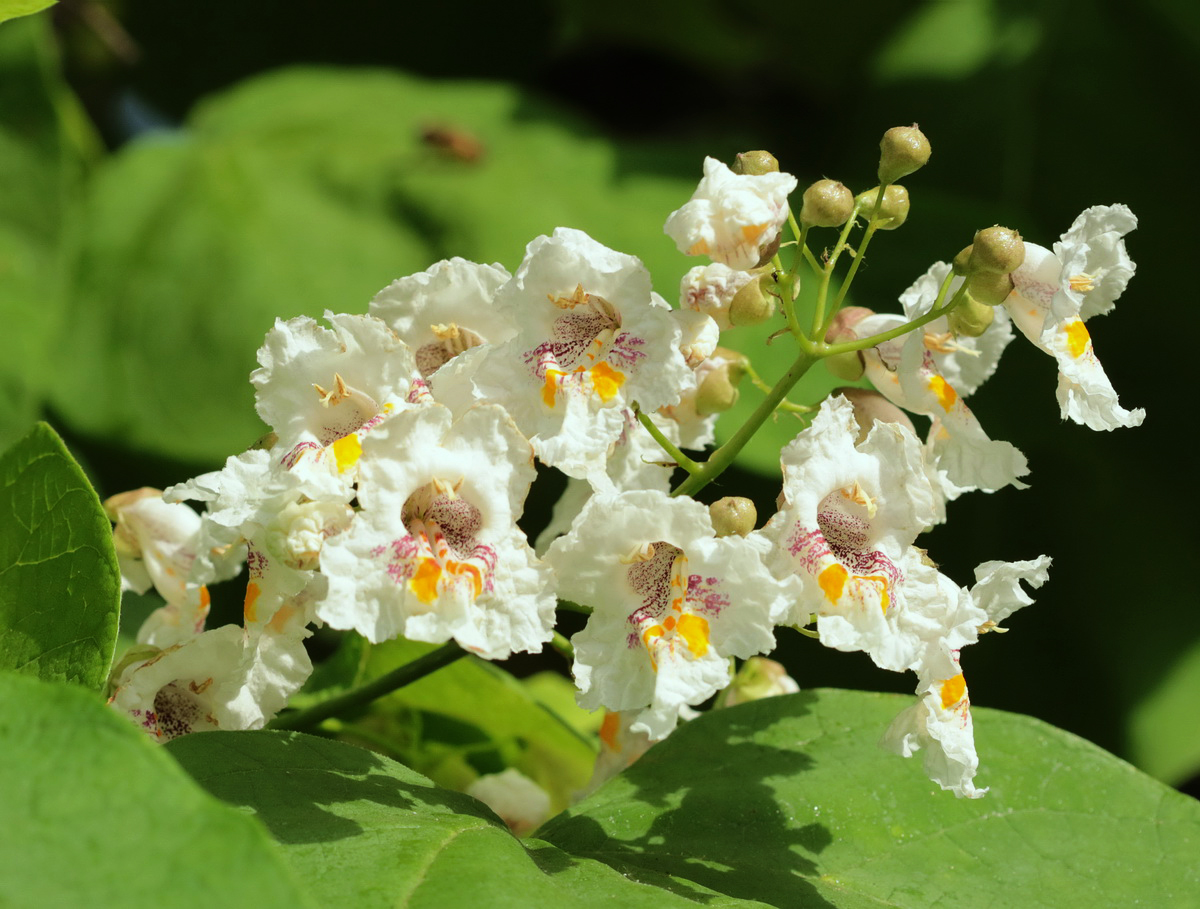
(827,203)
(894,210)
(970,318)
(755,163)
(962,262)
(758,678)
(870,407)
(718,389)
(902,150)
(733,515)
(752,304)
(849,366)
(989,287)
(997,250)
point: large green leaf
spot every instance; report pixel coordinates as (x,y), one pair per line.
(788,800)
(368,832)
(60,586)
(94,814)
(11,9)
(1164,738)
(303,191)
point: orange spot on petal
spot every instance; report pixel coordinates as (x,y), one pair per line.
(833,581)
(606,380)
(953,691)
(1077,339)
(946,395)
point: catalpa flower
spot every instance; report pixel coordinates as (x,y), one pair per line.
(593,339)
(322,390)
(734,219)
(435,552)
(672,603)
(445,311)
(710,289)
(905,371)
(843,535)
(1054,293)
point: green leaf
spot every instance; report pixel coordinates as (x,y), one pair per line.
(291,194)
(11,9)
(474,704)
(97,815)
(368,832)
(60,586)
(788,800)
(1163,740)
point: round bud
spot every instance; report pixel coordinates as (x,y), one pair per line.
(989,288)
(970,318)
(870,407)
(902,150)
(962,262)
(718,389)
(758,678)
(755,163)
(827,203)
(894,210)
(848,366)
(733,515)
(752,304)
(997,250)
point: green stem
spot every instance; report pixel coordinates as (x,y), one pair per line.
(872,226)
(667,445)
(724,456)
(865,343)
(757,381)
(376,688)
(827,271)
(560,643)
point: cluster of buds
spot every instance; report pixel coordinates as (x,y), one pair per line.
(404,440)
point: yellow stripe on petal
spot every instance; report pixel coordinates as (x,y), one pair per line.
(252,592)
(1077,339)
(424,582)
(699,248)
(347,450)
(694,631)
(550,388)
(945,394)
(953,691)
(751,232)
(610,729)
(606,380)
(833,581)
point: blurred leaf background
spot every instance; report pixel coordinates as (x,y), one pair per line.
(175,176)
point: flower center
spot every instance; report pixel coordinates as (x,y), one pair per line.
(441,552)
(675,606)
(451,340)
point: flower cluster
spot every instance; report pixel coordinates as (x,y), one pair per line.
(403,443)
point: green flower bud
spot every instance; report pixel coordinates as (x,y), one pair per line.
(849,366)
(970,318)
(902,150)
(758,678)
(733,515)
(827,203)
(718,389)
(989,288)
(894,210)
(752,304)
(997,250)
(870,407)
(755,163)
(962,262)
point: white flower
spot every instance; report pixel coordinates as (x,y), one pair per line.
(941,724)
(435,553)
(843,534)
(445,310)
(732,218)
(671,604)
(905,371)
(966,363)
(323,390)
(710,289)
(1056,292)
(160,544)
(593,339)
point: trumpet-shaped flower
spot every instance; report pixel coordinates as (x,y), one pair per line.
(710,289)
(435,553)
(445,310)
(671,604)
(593,339)
(1055,292)
(734,219)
